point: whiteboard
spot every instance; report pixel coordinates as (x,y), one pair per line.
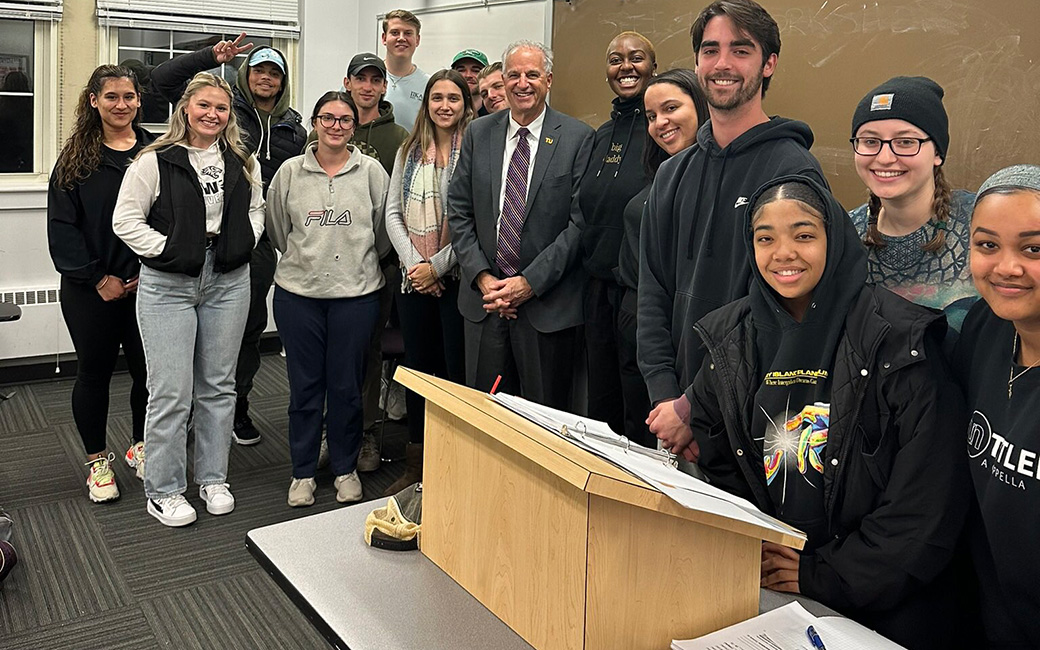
(487,27)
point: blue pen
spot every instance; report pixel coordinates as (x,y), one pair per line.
(814,638)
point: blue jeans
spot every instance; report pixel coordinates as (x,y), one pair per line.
(325,342)
(191,329)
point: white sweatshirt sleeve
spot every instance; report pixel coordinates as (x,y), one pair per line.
(256,201)
(137,194)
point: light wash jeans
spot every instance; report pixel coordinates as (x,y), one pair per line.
(191,329)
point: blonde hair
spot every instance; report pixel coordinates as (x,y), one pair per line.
(229,138)
(403,15)
(650,51)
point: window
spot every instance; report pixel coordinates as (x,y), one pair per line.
(17,117)
(144,49)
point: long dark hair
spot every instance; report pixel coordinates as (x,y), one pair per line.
(423,132)
(81,154)
(685,80)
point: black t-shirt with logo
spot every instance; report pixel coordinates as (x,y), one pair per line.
(1003,447)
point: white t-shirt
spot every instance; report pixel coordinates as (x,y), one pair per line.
(406,94)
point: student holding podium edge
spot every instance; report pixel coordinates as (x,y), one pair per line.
(827,403)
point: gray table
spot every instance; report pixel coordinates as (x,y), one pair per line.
(363,598)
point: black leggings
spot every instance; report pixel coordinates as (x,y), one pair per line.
(433,343)
(98,329)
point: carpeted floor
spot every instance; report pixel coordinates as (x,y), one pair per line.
(109,575)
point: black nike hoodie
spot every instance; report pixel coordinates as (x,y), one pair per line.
(614,175)
(692,256)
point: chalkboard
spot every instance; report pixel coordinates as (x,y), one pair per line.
(985,54)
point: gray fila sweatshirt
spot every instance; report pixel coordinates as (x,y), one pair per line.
(330,231)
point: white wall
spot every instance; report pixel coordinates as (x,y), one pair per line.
(328,40)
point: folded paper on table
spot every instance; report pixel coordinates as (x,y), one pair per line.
(655,467)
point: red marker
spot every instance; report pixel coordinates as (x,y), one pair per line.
(495,387)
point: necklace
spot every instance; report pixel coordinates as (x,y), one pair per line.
(1011,375)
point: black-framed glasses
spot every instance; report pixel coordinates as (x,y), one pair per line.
(328,120)
(899,146)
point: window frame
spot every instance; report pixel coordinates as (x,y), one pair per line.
(108,52)
(46,123)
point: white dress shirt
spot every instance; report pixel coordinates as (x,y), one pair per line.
(533,137)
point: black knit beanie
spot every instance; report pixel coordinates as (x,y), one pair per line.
(917,100)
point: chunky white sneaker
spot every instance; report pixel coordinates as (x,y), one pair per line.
(301,492)
(135,458)
(172,511)
(218,498)
(101,480)
(348,488)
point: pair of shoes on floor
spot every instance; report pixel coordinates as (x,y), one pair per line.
(348,490)
(175,511)
(101,480)
(368,458)
(135,458)
(244,432)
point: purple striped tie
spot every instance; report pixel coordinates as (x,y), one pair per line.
(512,222)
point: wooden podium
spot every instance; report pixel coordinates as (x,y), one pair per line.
(568,550)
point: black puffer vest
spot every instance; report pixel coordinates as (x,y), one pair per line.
(179,213)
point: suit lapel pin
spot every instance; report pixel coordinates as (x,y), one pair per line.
(548,140)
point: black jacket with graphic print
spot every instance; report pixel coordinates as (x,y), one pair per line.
(895,482)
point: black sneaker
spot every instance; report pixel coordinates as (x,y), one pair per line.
(244,432)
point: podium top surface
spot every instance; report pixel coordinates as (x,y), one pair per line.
(582,469)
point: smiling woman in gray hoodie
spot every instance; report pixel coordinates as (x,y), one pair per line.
(325,215)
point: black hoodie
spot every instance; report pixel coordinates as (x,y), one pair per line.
(692,256)
(79,221)
(872,420)
(614,175)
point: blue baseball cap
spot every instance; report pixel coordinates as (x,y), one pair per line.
(267,54)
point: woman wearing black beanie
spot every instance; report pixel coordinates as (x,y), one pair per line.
(915,227)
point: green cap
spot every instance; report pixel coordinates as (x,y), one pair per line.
(476,55)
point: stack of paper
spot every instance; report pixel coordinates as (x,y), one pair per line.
(785,629)
(649,465)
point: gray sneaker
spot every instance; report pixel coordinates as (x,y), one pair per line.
(301,492)
(368,459)
(348,488)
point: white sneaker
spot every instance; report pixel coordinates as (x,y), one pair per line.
(301,492)
(135,458)
(218,498)
(101,481)
(348,488)
(172,511)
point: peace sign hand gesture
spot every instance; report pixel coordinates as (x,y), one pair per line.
(224,51)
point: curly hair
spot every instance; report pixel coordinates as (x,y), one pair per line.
(81,154)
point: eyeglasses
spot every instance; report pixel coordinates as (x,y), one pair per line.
(327,121)
(899,146)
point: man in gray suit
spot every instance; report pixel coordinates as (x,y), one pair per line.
(516,225)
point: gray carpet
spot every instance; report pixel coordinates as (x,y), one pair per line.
(110,576)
